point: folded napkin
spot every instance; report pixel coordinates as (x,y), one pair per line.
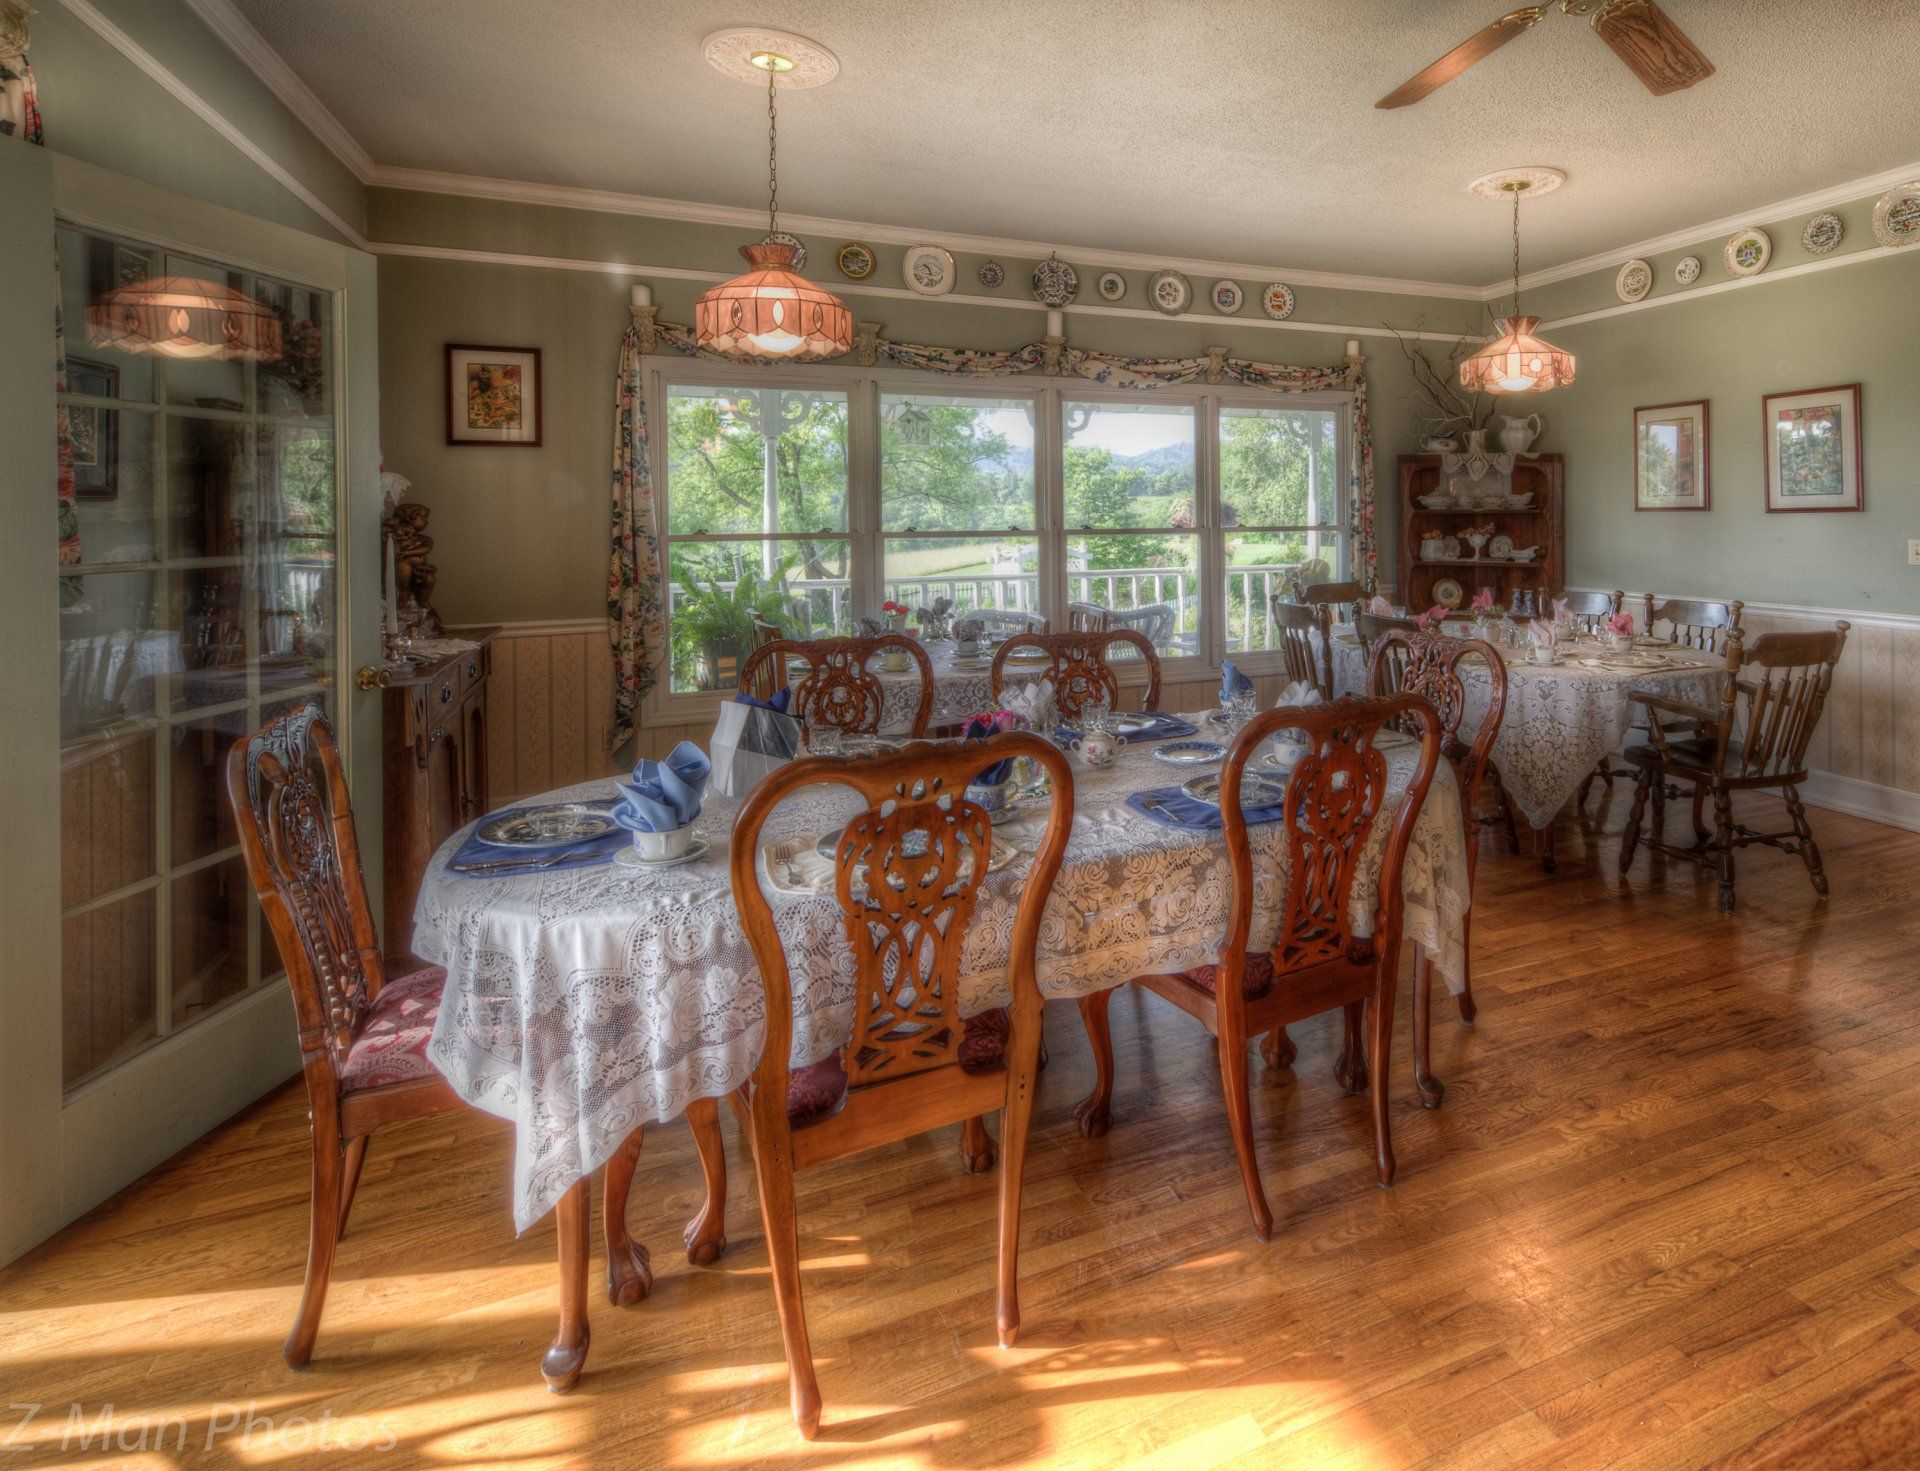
(782,697)
(1561,613)
(1379,606)
(1232,681)
(664,795)
(1482,600)
(1541,634)
(1300,692)
(1433,617)
(1033,702)
(1621,622)
(1171,807)
(587,854)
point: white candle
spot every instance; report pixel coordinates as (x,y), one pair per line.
(393,604)
(1353,347)
(1056,324)
(641,295)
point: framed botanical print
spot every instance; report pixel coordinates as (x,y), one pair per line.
(1670,457)
(493,395)
(93,432)
(1813,455)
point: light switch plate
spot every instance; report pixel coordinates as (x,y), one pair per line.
(1913,554)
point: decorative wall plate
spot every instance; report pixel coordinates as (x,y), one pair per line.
(1822,234)
(1277,301)
(1113,285)
(1227,297)
(1055,283)
(1170,292)
(1447,592)
(1748,252)
(1500,547)
(1686,270)
(1896,218)
(991,273)
(1634,281)
(928,269)
(855,260)
(799,250)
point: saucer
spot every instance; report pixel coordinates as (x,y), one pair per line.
(630,857)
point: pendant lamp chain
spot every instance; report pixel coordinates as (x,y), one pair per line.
(1515,188)
(773,162)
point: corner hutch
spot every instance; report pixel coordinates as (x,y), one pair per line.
(1539,524)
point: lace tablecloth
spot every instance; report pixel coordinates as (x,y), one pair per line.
(1560,720)
(581,1004)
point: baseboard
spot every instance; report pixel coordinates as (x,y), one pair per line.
(1865,799)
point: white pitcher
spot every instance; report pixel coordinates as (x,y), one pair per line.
(1517,434)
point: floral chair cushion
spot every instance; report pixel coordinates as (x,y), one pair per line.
(815,1091)
(392,1046)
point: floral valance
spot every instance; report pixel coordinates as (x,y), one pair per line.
(636,599)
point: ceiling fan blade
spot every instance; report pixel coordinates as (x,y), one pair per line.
(1477,48)
(1655,49)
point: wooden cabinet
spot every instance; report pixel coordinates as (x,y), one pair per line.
(1541,524)
(435,771)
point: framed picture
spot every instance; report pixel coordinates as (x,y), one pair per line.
(1670,457)
(1812,449)
(493,395)
(94,431)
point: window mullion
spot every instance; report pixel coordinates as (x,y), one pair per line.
(1049,478)
(863,495)
(1211,645)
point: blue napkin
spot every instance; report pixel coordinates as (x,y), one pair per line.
(782,697)
(980,728)
(1161,728)
(1232,681)
(545,860)
(665,795)
(1182,811)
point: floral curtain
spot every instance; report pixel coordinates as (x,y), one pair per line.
(635,603)
(19,99)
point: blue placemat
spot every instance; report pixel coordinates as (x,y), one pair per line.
(1163,728)
(1174,808)
(547,860)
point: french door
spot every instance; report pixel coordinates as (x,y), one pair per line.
(190,547)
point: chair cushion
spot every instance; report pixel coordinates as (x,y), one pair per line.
(1258,981)
(392,1045)
(815,1090)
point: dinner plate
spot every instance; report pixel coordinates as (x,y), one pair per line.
(632,858)
(1190,753)
(555,826)
(1132,725)
(1255,790)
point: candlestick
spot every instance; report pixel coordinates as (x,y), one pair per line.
(641,295)
(1353,347)
(390,576)
(1056,324)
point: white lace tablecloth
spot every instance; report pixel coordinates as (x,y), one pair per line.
(581,1004)
(1560,720)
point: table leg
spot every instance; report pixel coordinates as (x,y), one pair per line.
(1431,1088)
(629,1274)
(567,1354)
(1543,845)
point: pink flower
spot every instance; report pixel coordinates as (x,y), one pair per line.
(1433,617)
(1621,622)
(1483,598)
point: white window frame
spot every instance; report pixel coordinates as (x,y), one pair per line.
(863,388)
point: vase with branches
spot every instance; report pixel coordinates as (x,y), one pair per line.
(1441,405)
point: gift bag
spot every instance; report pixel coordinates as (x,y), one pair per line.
(749,740)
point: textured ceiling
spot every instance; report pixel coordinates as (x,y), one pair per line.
(1224,129)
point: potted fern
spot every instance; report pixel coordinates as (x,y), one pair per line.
(713,624)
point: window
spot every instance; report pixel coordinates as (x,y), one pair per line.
(1282,511)
(803,497)
(957,501)
(756,519)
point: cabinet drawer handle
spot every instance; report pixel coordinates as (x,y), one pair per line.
(473,670)
(446,694)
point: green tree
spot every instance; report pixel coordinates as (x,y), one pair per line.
(1103,493)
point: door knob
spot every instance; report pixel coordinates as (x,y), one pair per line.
(367,677)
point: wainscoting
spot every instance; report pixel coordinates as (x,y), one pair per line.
(553,702)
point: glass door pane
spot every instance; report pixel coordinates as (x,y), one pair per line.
(197,598)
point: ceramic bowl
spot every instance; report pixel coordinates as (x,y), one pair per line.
(656,846)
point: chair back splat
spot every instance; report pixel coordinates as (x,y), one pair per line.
(1076,665)
(838,691)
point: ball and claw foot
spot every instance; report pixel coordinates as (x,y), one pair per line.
(1278,1050)
(629,1276)
(1351,1074)
(1432,1090)
(704,1244)
(1094,1118)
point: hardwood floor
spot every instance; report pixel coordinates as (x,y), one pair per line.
(1669,1216)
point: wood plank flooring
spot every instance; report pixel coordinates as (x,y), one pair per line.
(1668,1217)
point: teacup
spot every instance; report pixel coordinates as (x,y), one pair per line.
(1618,643)
(992,798)
(967,647)
(1541,653)
(656,847)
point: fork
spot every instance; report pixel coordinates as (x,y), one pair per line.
(527,864)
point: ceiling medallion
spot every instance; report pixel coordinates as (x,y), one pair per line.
(1534,179)
(731,52)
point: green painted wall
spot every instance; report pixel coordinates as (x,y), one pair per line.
(101,107)
(520,534)
(1858,322)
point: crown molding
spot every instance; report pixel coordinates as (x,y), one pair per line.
(239,36)
(1800,204)
(609,201)
(134,52)
(631,270)
(1738,283)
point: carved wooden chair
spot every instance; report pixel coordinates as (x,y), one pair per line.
(1692,623)
(1428,664)
(908,874)
(1077,665)
(838,691)
(1300,626)
(363,1035)
(1316,961)
(999,623)
(1756,739)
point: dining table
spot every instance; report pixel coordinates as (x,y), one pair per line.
(962,686)
(584,1002)
(1562,719)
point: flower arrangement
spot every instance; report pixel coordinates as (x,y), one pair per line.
(935,618)
(1484,608)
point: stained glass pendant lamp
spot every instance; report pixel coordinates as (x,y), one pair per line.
(772,313)
(184,317)
(1516,361)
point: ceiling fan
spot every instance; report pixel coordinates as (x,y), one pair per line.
(1655,49)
